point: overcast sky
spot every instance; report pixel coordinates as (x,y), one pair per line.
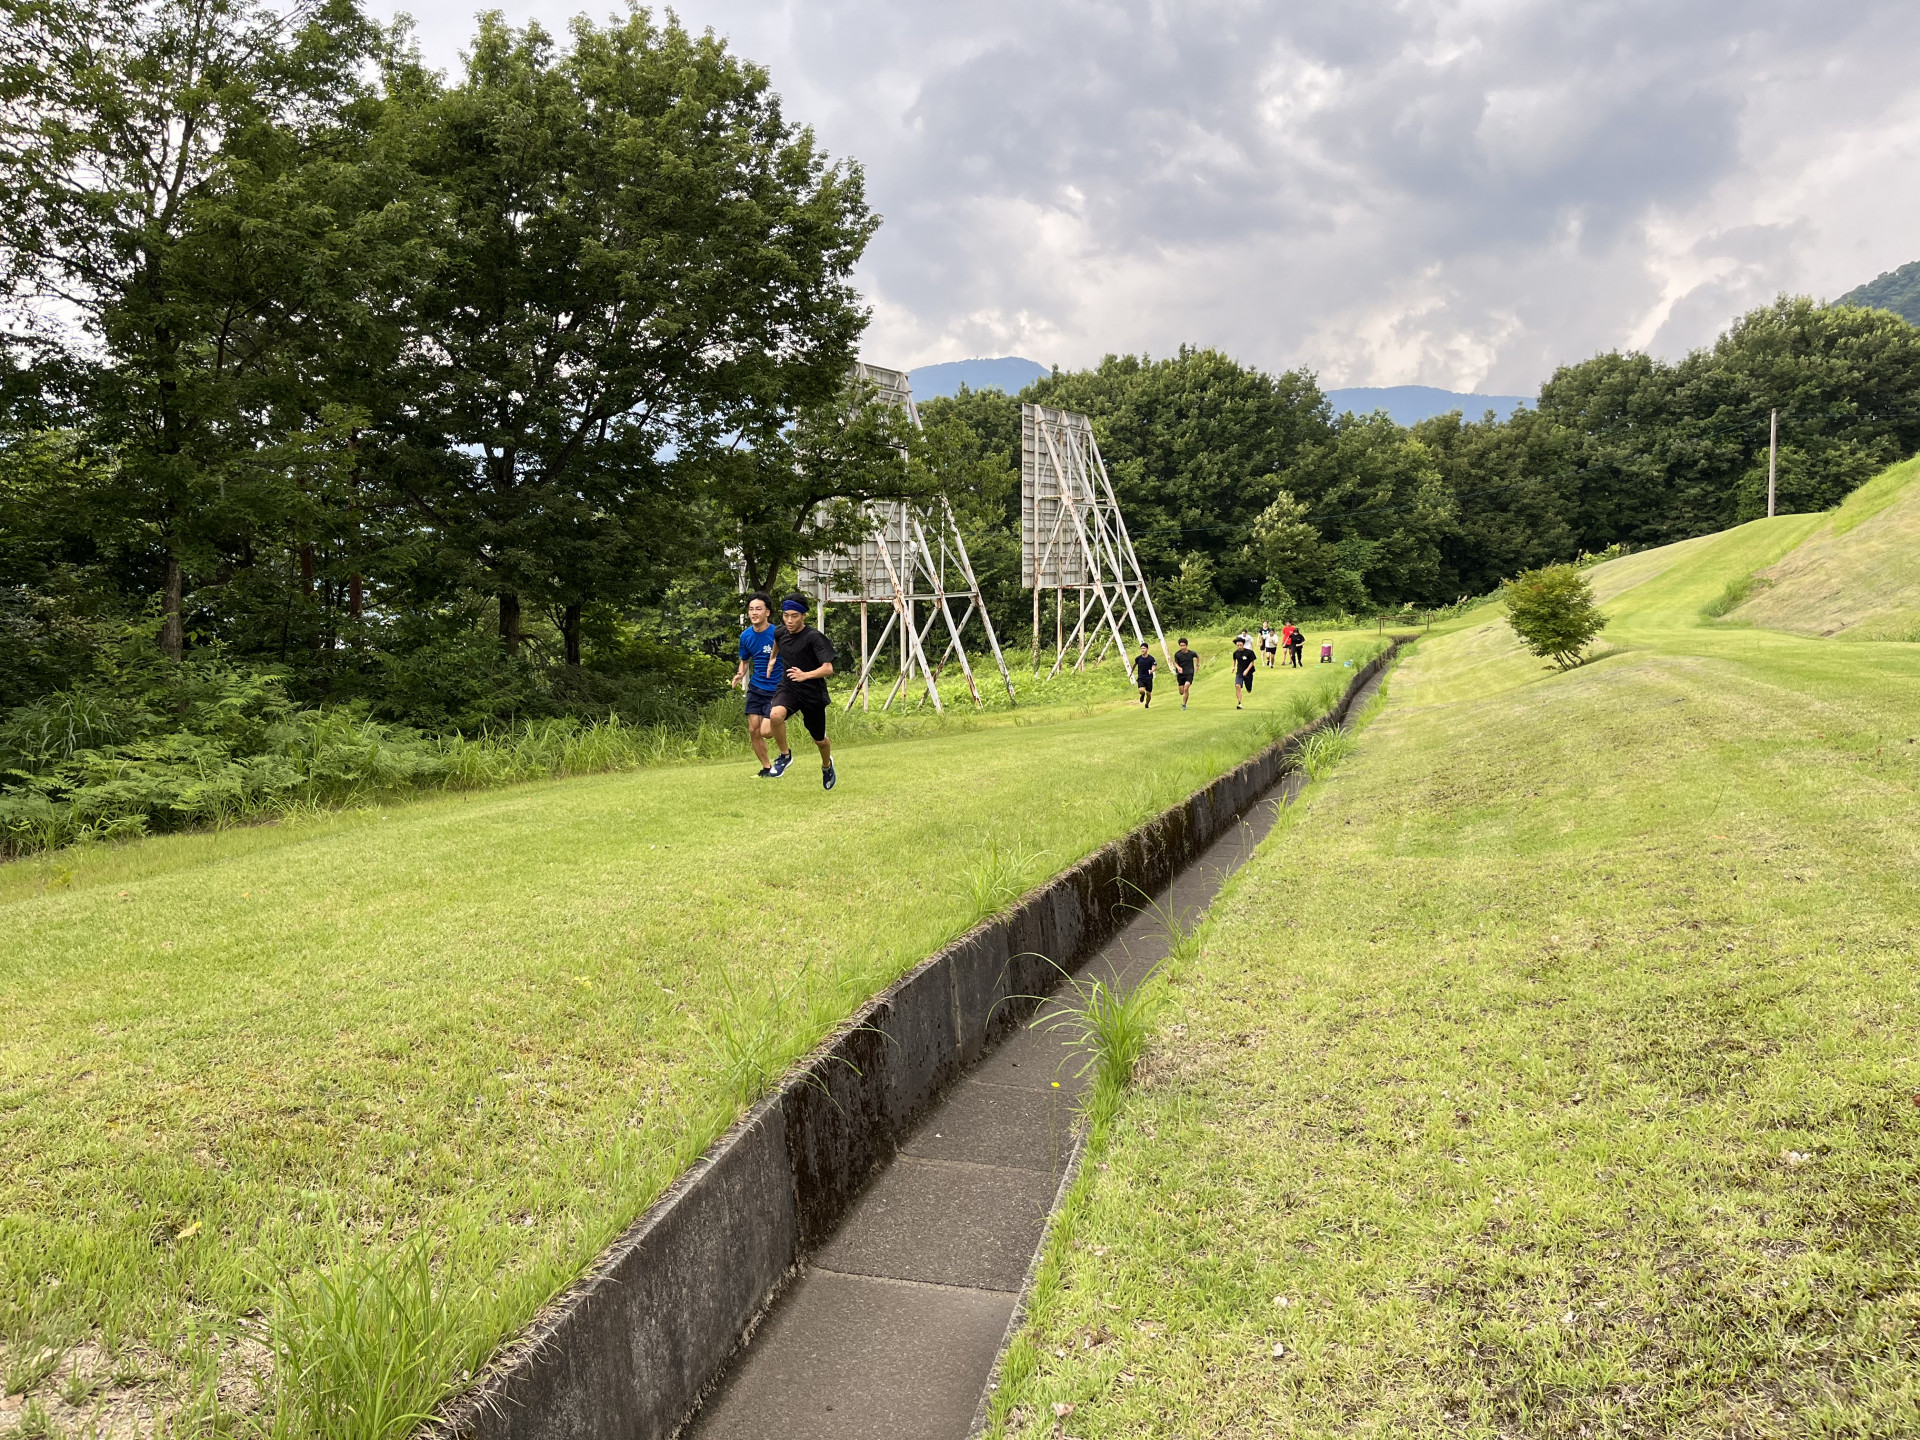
(1455,194)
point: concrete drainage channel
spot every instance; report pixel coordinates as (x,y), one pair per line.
(848,1260)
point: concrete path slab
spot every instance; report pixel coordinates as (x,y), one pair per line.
(945,1224)
(1027,1129)
(1032,1059)
(848,1357)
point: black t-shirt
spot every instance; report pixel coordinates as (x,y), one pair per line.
(1243,659)
(1299,638)
(807,649)
(1143,666)
(1183,660)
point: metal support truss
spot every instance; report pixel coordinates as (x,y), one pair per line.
(914,562)
(1073,537)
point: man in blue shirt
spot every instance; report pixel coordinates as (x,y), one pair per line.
(756,676)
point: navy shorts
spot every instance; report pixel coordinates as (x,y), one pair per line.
(759,702)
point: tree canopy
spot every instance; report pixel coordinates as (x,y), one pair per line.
(329,361)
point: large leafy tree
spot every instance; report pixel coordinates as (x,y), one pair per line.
(194,231)
(1378,501)
(1511,483)
(804,488)
(1193,443)
(1619,408)
(642,261)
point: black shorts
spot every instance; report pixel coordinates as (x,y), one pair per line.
(1183,677)
(1145,683)
(812,713)
(1244,682)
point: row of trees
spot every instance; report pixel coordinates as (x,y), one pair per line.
(380,378)
(1244,489)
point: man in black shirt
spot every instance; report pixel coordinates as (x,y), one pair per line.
(803,659)
(1183,662)
(1243,661)
(1143,668)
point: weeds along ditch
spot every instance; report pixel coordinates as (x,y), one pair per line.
(301,1122)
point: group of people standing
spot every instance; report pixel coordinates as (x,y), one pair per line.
(1290,638)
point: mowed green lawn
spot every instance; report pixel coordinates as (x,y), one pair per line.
(1552,1072)
(503,1021)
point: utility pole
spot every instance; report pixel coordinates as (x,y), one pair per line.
(1773,458)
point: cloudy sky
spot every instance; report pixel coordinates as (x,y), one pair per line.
(1457,194)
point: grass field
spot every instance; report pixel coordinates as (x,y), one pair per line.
(1550,1072)
(479,1032)
(1857,574)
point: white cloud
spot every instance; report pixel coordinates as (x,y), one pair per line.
(1391,191)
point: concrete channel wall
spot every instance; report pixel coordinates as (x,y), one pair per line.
(627,1351)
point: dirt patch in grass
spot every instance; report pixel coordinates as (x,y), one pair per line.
(131,1392)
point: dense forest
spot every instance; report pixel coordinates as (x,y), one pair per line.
(1244,491)
(335,386)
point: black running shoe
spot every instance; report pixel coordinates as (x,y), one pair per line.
(827,777)
(766,773)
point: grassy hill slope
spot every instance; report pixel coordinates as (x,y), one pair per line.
(1857,573)
(1549,1073)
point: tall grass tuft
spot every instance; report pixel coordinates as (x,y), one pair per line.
(999,879)
(754,1037)
(1109,1028)
(1321,751)
(1737,592)
(366,1347)
(29,1361)
(1310,702)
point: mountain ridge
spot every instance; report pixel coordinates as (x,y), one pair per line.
(1895,290)
(1407,404)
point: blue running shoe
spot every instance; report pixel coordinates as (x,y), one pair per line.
(827,777)
(780,763)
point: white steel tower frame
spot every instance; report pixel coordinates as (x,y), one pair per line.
(1073,537)
(915,563)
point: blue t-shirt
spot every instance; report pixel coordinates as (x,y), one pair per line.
(756,648)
